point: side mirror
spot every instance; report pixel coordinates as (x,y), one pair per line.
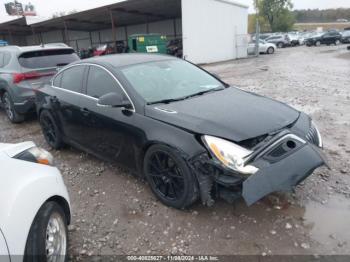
(114,100)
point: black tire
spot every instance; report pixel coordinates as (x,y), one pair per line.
(280,45)
(178,179)
(51,132)
(270,50)
(10,110)
(337,42)
(36,246)
(318,43)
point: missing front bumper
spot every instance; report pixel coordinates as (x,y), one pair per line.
(273,176)
(283,175)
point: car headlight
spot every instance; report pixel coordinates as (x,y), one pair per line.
(319,137)
(230,155)
(36,155)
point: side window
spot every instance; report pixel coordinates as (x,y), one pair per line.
(57,80)
(100,83)
(72,79)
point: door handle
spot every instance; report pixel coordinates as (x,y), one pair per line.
(85,111)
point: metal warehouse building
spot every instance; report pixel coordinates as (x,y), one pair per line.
(211,30)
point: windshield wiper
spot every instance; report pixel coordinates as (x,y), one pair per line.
(167,101)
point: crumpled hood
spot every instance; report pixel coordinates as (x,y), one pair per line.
(232,114)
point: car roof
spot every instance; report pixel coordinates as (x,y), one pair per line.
(24,49)
(121,60)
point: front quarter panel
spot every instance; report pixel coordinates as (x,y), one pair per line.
(25,188)
(4,254)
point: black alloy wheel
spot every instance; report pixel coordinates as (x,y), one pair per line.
(169,177)
(50,130)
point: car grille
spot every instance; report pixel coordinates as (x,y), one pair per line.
(312,136)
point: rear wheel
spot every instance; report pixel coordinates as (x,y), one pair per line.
(50,130)
(318,43)
(10,110)
(270,50)
(337,42)
(169,177)
(280,45)
(48,236)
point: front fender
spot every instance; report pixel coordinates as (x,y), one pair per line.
(27,186)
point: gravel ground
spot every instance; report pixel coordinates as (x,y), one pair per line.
(115,213)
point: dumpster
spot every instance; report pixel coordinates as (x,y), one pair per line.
(148,43)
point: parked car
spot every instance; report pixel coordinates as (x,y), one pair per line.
(23,70)
(279,40)
(187,132)
(345,38)
(328,38)
(294,39)
(175,48)
(34,204)
(264,48)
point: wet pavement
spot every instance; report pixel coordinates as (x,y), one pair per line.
(115,213)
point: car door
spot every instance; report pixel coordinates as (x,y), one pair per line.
(326,38)
(262,46)
(68,101)
(251,48)
(108,131)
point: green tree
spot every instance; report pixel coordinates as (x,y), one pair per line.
(278,13)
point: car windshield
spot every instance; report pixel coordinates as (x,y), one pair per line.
(165,81)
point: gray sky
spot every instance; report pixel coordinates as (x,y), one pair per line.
(46,8)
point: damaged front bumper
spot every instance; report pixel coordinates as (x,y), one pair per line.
(284,163)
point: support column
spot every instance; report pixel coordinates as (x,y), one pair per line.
(34,36)
(10,36)
(114,33)
(66,32)
(90,35)
(175,30)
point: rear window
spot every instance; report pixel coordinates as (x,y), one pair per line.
(47,58)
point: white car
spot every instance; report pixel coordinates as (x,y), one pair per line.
(34,205)
(264,47)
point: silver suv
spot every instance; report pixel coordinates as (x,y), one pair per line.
(279,40)
(25,69)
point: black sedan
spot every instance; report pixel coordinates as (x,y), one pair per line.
(328,38)
(188,133)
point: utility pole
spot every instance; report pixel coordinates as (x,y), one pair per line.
(257,28)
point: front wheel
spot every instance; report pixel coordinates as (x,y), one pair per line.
(280,45)
(169,177)
(48,236)
(270,50)
(337,42)
(318,43)
(51,132)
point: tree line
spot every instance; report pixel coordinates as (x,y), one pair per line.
(279,16)
(321,16)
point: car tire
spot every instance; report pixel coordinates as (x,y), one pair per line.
(270,50)
(169,177)
(10,110)
(48,235)
(318,43)
(337,42)
(51,132)
(280,45)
